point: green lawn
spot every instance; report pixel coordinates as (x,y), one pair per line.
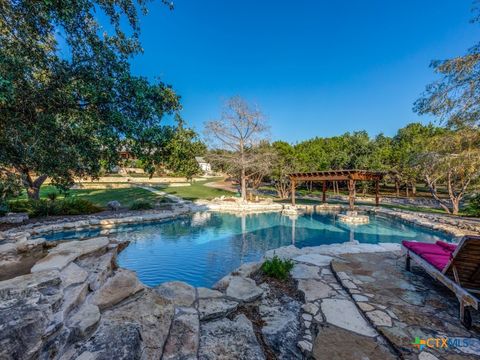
(195,191)
(101,197)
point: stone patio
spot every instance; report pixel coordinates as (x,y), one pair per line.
(404,305)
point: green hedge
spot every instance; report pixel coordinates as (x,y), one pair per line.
(473,206)
(44,207)
(141,205)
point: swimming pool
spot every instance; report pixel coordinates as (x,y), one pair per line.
(203,247)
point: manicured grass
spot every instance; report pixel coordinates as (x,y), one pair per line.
(126,197)
(196,190)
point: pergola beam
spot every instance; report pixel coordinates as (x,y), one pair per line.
(350,176)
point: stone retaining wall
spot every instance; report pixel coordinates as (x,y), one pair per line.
(238,206)
(90,221)
(413,201)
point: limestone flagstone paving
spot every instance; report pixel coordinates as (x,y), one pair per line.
(333,326)
(405,305)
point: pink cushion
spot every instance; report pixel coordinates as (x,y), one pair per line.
(449,247)
(420,248)
(439,261)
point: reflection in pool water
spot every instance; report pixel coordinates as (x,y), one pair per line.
(201,248)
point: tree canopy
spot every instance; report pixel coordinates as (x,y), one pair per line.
(67,97)
(455,97)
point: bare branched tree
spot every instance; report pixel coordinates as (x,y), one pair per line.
(239,131)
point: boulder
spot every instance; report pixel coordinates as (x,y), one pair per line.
(182,343)
(229,339)
(281,327)
(30,245)
(114,205)
(84,321)
(82,247)
(215,308)
(152,314)
(73,296)
(14,218)
(113,340)
(247,269)
(243,289)
(54,261)
(63,254)
(223,283)
(206,293)
(27,313)
(99,269)
(117,288)
(179,293)
(73,274)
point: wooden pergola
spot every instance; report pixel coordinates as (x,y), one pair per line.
(349,176)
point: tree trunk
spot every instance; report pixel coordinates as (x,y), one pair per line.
(243,185)
(414,189)
(455,198)
(455,206)
(32,186)
(397,187)
(406,190)
(432,186)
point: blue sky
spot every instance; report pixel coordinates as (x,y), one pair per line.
(315,67)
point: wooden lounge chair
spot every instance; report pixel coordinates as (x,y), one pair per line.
(455,266)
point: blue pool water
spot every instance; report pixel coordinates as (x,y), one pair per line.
(202,248)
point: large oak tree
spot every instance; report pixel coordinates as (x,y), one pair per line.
(67,95)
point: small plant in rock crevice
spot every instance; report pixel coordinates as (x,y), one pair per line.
(277,268)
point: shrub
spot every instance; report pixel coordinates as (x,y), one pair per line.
(4,209)
(141,205)
(77,206)
(52,196)
(473,207)
(43,207)
(20,206)
(277,268)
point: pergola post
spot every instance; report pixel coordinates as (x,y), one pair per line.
(351,193)
(324,191)
(293,191)
(377,191)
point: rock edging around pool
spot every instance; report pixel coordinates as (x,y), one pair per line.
(453,226)
(77,303)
